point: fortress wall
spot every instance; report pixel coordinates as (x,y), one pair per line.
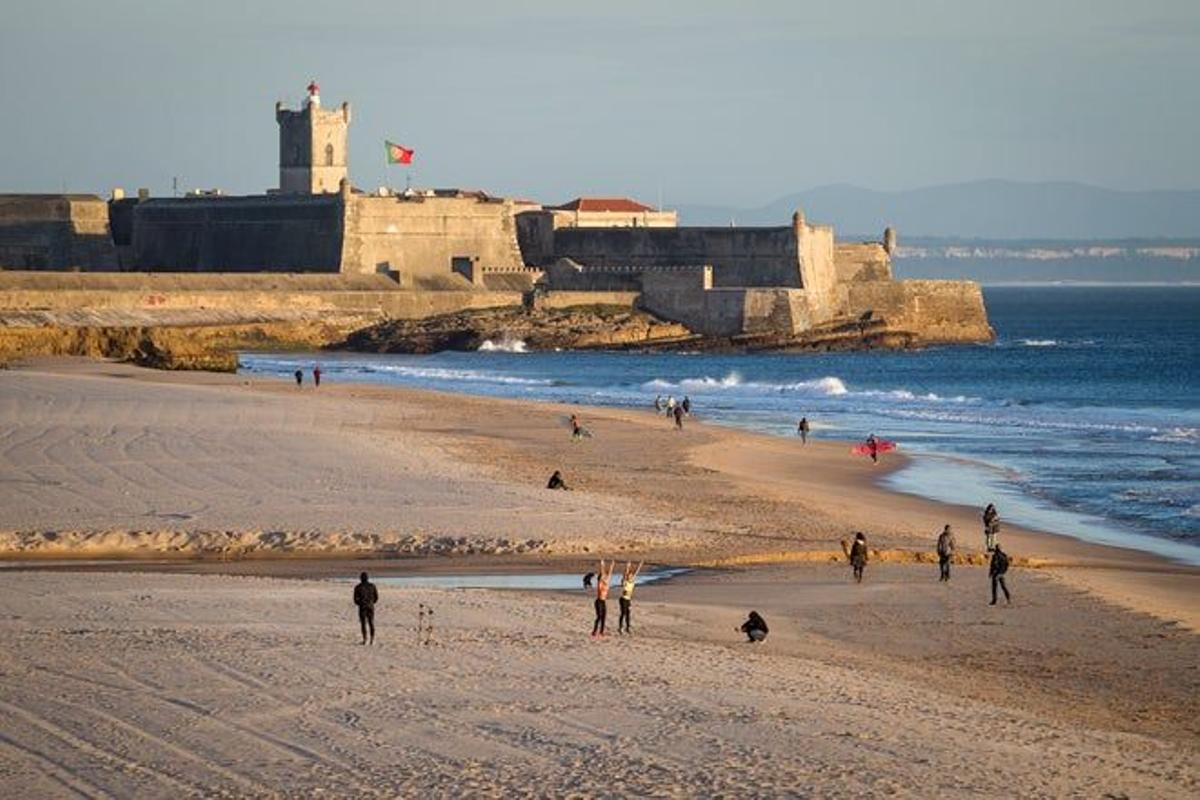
(814,244)
(569,299)
(535,236)
(862,261)
(739,256)
(682,296)
(253,296)
(267,233)
(420,237)
(55,232)
(935,311)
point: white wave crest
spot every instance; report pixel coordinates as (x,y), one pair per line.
(446,374)
(1040,342)
(828,386)
(1179,435)
(505,345)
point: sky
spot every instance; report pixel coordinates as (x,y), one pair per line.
(694,102)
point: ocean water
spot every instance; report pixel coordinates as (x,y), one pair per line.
(1082,418)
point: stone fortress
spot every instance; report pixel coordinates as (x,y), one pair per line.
(423,252)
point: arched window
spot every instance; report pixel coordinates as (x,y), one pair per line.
(329,155)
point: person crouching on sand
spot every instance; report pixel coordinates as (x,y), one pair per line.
(365,597)
(628,581)
(603,577)
(858,556)
(556,482)
(755,628)
(945,551)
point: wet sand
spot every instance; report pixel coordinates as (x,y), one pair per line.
(140,682)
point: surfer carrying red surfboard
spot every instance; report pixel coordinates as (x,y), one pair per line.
(872,447)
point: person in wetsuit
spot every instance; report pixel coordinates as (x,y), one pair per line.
(365,597)
(299,377)
(755,628)
(802,429)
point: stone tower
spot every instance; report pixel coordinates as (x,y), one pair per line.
(312,146)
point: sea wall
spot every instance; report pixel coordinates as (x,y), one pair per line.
(933,311)
(267,233)
(421,238)
(55,232)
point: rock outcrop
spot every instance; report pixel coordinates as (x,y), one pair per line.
(575,328)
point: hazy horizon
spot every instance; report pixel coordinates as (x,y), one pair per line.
(696,103)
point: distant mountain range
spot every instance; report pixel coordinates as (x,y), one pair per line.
(987,209)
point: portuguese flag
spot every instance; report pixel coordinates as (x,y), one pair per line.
(398,154)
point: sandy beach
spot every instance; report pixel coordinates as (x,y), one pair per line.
(212,653)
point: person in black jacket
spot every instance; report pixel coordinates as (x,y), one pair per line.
(365,597)
(858,556)
(998,567)
(556,482)
(755,627)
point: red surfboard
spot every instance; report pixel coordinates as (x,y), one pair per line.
(882,446)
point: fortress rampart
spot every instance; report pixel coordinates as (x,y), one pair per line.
(269,233)
(55,231)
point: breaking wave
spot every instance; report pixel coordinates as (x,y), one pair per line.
(449,374)
(828,386)
(503,346)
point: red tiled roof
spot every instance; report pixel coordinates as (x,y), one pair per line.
(603,204)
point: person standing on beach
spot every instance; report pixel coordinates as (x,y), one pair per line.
(678,412)
(873,448)
(945,551)
(603,578)
(687,405)
(658,404)
(858,556)
(365,597)
(998,568)
(991,526)
(802,429)
(670,404)
(628,581)
(299,377)
(316,375)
